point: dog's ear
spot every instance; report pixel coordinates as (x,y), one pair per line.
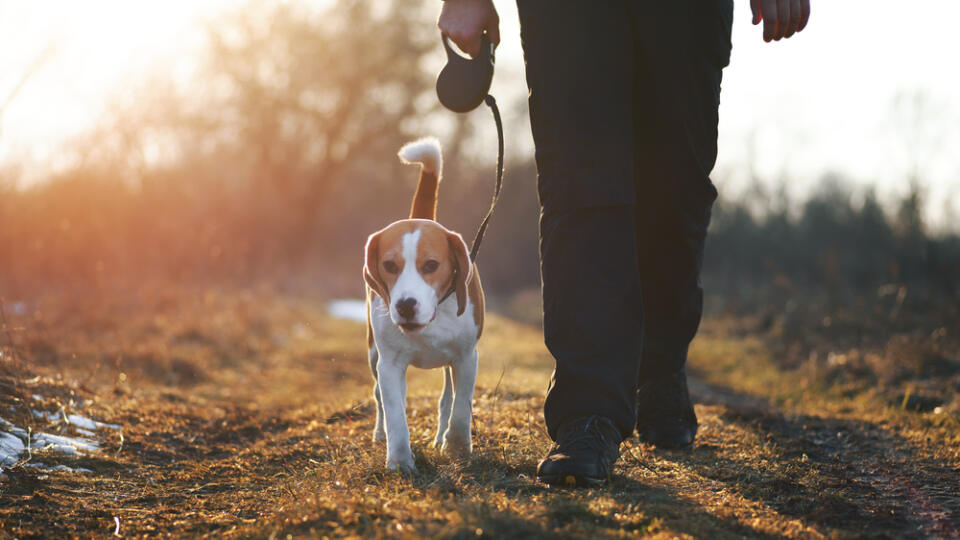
(371,268)
(464,269)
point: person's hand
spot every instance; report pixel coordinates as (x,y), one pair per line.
(781,18)
(464,21)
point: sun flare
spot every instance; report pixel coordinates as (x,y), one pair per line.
(65,61)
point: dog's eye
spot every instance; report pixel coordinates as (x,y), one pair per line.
(430,266)
(391,267)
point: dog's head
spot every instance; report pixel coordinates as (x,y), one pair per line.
(411,264)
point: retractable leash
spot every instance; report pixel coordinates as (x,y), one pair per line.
(461,86)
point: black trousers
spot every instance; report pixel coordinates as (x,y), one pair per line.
(623,102)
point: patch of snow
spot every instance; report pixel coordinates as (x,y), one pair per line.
(78,420)
(48,416)
(11,447)
(5,424)
(63,444)
(71,469)
(349,309)
(14,441)
(14,430)
(61,468)
(85,423)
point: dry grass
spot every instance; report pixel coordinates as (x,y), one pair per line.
(247,414)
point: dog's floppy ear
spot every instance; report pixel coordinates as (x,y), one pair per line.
(371,268)
(461,262)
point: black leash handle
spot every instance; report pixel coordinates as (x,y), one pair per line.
(478,238)
(461,85)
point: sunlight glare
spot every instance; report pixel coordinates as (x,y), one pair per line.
(83,55)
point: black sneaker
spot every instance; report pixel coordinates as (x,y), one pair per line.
(665,416)
(584,455)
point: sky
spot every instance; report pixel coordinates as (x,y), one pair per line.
(825,101)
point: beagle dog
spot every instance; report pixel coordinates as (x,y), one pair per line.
(425,308)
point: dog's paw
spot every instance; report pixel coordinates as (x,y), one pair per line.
(456,446)
(403,464)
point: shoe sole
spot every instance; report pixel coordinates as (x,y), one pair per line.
(571,480)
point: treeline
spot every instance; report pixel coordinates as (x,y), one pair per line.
(86,229)
(831,245)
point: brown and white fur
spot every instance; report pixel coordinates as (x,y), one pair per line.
(409,266)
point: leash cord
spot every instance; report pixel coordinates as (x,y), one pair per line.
(478,239)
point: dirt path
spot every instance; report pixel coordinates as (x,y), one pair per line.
(250,416)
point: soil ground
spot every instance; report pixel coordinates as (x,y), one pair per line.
(248,414)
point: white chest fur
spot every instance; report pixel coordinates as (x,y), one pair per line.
(443,342)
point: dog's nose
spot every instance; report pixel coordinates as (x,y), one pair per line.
(407,307)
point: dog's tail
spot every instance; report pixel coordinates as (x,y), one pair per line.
(426,152)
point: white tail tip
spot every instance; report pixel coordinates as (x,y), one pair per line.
(424,151)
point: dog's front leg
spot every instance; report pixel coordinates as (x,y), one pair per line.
(392,380)
(457,440)
(379,434)
(443,407)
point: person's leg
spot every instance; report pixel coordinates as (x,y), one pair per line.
(579,58)
(682,47)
